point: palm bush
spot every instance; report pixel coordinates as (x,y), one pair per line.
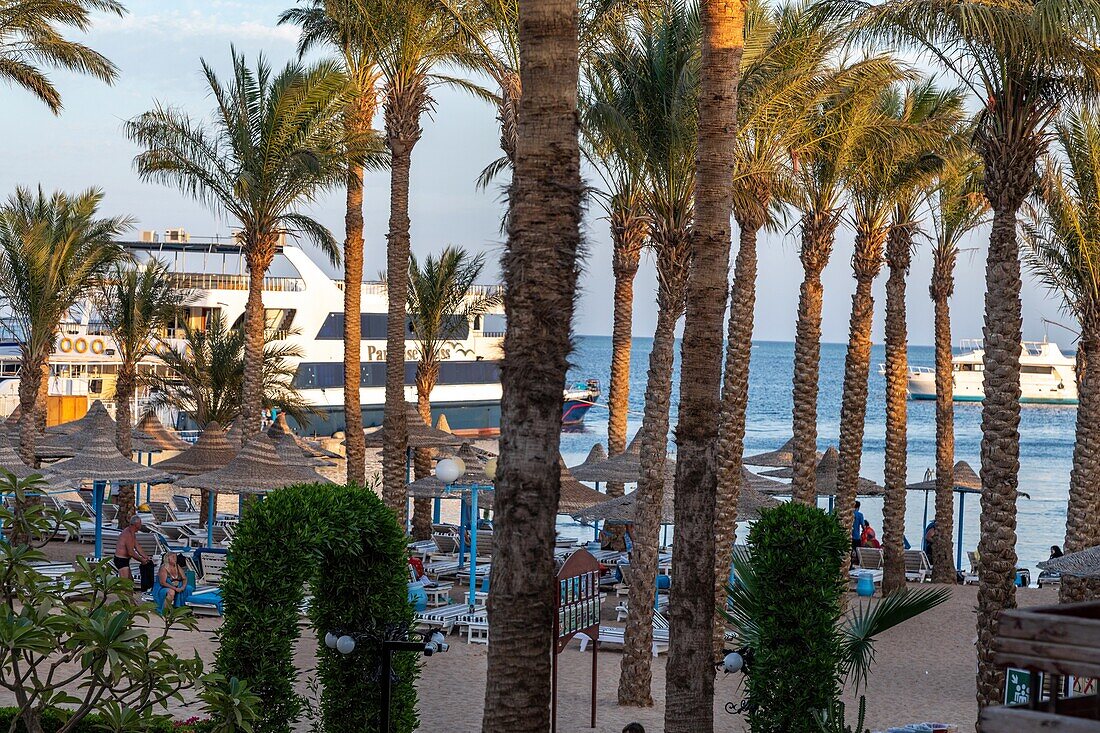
(788,611)
(205,375)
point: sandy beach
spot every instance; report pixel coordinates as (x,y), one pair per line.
(924,671)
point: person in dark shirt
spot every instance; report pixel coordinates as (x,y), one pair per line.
(857,528)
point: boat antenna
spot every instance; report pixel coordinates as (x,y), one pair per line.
(1047,321)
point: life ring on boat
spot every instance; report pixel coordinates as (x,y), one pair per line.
(97,346)
(66,345)
(1061,385)
(80,346)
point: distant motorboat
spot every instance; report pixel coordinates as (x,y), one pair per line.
(1047,376)
(579,399)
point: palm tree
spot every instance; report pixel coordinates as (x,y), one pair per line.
(1063,238)
(443,298)
(53,252)
(773,93)
(338,24)
(135,305)
(651,92)
(1023,68)
(890,179)
(613,150)
(835,133)
(958,207)
(205,374)
(540,274)
(30,38)
(409,40)
(276,141)
(691,683)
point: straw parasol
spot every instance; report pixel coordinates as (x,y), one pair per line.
(12,463)
(152,431)
(210,452)
(99,460)
(257,469)
(966,481)
(420,435)
(79,433)
(1080,564)
(625,468)
(95,411)
(782,457)
(825,476)
(621,508)
(280,431)
(596,455)
(442,424)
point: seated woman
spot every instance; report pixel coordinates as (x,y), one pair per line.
(171,586)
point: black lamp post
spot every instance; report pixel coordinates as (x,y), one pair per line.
(738,661)
(391,639)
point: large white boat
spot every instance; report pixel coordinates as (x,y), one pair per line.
(1047,375)
(305,306)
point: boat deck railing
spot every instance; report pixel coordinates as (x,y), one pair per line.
(207,281)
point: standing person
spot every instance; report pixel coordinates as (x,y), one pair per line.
(857,528)
(128,549)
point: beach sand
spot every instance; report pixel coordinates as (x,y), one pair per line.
(924,671)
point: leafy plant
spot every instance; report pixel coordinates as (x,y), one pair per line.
(83,630)
(833,721)
(232,707)
(787,608)
(348,549)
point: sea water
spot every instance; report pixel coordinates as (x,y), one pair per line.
(1046,435)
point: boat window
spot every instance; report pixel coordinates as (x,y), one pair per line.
(327,375)
(1032,369)
(963,367)
(494,324)
(373,327)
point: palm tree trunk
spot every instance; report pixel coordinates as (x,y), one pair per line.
(402,133)
(627,239)
(258,257)
(897,375)
(540,275)
(1083,514)
(818,229)
(353,332)
(943,562)
(1000,445)
(637,675)
(731,423)
(30,383)
(125,385)
(853,404)
(426,377)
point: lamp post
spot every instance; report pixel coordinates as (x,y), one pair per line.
(392,639)
(450,471)
(738,661)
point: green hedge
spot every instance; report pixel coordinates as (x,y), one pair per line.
(347,547)
(795,555)
(54,718)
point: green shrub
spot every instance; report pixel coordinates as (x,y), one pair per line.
(347,547)
(53,719)
(796,552)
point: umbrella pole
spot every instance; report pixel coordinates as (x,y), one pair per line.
(461,530)
(924,527)
(436,510)
(831,497)
(596,530)
(97,500)
(959,549)
(473,549)
(210,518)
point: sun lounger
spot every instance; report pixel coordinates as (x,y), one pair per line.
(617,635)
(622,609)
(1048,577)
(443,618)
(970,577)
(445,542)
(476,625)
(918,569)
(870,558)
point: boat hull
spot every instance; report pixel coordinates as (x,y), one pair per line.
(573,412)
(969,387)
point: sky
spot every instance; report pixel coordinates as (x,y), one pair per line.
(157,48)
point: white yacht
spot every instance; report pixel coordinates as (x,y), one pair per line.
(306,306)
(1047,375)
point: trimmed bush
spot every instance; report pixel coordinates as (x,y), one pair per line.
(796,667)
(348,548)
(54,718)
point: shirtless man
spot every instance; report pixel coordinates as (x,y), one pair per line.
(128,549)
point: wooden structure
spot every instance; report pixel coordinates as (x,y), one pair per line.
(1059,642)
(578,611)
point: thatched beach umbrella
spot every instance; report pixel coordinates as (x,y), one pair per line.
(624,468)
(782,457)
(280,432)
(210,452)
(13,464)
(965,480)
(420,435)
(152,431)
(621,508)
(825,478)
(1081,564)
(100,462)
(256,469)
